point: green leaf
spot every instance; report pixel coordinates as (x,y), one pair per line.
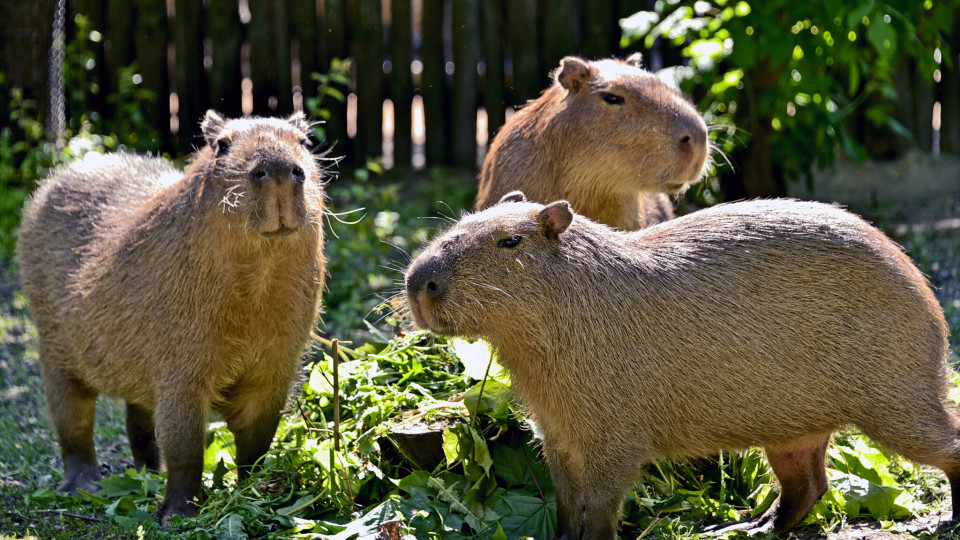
(462,442)
(857,14)
(302,502)
(883,37)
(231,528)
(529,516)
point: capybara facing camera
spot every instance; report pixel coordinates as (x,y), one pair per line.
(179,293)
(768,323)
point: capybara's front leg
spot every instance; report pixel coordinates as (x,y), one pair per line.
(253,426)
(566,472)
(73,409)
(181,431)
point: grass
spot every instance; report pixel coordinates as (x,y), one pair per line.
(486,480)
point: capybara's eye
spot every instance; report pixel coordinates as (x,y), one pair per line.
(510,242)
(612,99)
(223,146)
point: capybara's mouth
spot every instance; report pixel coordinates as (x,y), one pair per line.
(424,319)
(282,231)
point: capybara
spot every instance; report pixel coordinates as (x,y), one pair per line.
(179,293)
(608,136)
(769,323)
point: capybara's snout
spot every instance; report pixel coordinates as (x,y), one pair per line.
(279,184)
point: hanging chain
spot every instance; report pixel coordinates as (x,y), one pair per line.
(57,117)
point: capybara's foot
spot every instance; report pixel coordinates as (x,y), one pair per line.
(179,506)
(761,524)
(79,475)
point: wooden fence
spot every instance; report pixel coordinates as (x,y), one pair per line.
(430,64)
(450,57)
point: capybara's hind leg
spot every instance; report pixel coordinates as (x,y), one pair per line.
(802,474)
(143,439)
(73,409)
(799,467)
(928,434)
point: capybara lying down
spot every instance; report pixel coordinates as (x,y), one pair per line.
(178,293)
(769,323)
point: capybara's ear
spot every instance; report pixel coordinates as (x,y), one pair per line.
(574,73)
(555,218)
(635,60)
(299,121)
(211,127)
(513,196)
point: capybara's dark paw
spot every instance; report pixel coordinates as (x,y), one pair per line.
(758,525)
(179,507)
(84,478)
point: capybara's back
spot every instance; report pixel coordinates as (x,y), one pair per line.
(179,293)
(763,323)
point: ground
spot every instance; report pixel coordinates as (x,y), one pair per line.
(29,457)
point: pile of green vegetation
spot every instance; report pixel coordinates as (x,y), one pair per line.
(336,469)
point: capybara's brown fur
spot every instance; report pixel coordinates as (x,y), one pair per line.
(765,323)
(608,136)
(179,293)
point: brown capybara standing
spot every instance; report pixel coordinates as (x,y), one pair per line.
(178,293)
(765,323)
(608,136)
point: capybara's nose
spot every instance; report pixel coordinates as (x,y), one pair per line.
(278,170)
(426,280)
(691,134)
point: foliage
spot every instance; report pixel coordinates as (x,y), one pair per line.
(381,222)
(789,74)
(26,154)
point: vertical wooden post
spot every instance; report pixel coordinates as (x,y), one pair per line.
(118,49)
(950,102)
(226,36)
(270,58)
(600,30)
(306,30)
(527,72)
(190,80)
(559,36)
(493,88)
(335,41)
(368,51)
(151,41)
(466,54)
(434,83)
(401,81)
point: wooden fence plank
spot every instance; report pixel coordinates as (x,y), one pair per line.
(466,53)
(527,71)
(600,35)
(559,35)
(401,80)
(306,29)
(335,24)
(434,86)
(226,37)
(150,42)
(270,58)
(368,52)
(950,97)
(190,80)
(494,99)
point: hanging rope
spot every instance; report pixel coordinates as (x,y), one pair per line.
(57,116)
